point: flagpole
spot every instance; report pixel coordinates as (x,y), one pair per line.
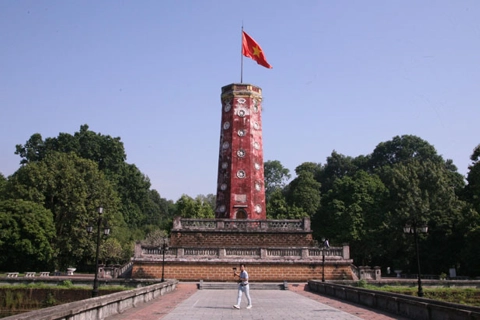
(241,54)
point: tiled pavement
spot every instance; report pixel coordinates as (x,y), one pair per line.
(186,302)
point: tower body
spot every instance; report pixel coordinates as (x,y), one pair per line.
(240,183)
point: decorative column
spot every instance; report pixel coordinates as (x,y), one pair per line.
(240,183)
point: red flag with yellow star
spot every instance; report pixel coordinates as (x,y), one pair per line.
(251,49)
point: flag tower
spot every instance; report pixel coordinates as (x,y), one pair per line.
(240,180)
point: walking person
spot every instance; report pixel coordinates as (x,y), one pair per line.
(243,286)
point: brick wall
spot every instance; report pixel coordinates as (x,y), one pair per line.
(264,272)
(240,239)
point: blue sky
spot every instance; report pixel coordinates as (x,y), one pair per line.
(346,76)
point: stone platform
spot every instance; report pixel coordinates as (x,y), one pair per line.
(273,250)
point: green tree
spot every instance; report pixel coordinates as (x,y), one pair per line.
(157,211)
(277,207)
(112,251)
(336,167)
(472,190)
(26,233)
(468,249)
(71,188)
(421,193)
(276,177)
(208,200)
(107,152)
(133,189)
(303,192)
(155,238)
(352,213)
(3,183)
(401,149)
(132,186)
(188,207)
(33,150)
(471,222)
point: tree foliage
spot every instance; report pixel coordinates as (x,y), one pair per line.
(303,192)
(3,183)
(351,213)
(198,208)
(112,251)
(400,149)
(276,176)
(107,152)
(26,234)
(71,188)
(367,201)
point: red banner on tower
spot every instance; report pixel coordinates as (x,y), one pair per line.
(251,49)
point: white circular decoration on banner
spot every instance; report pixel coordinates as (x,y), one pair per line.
(257,166)
(222,208)
(227,107)
(256,125)
(256,145)
(226,125)
(258,208)
(241,153)
(223,186)
(241,132)
(224,165)
(258,186)
(241,174)
(241,113)
(225,145)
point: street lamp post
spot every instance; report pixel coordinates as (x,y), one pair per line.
(164,248)
(409,229)
(325,245)
(106,232)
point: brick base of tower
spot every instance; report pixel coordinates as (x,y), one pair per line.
(274,250)
(258,272)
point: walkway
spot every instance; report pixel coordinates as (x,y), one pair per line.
(186,302)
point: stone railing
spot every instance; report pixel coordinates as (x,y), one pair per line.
(100,307)
(229,224)
(309,253)
(406,306)
(368,273)
(123,269)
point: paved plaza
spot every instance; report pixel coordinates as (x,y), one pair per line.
(186,302)
(267,304)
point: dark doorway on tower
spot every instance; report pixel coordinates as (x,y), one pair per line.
(241,214)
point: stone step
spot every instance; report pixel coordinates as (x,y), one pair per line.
(233,286)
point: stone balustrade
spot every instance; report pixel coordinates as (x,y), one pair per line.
(228,224)
(155,253)
(367,273)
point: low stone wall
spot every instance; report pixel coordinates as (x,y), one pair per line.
(406,306)
(100,307)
